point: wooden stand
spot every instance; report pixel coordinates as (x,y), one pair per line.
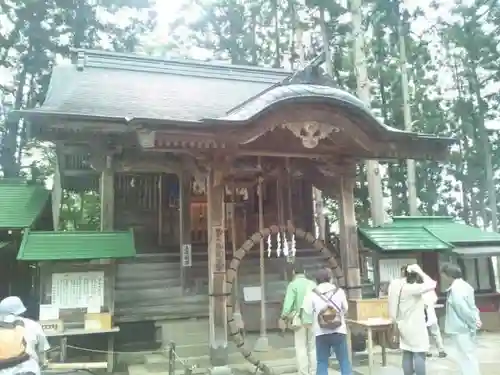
(364,309)
(370,326)
(63,337)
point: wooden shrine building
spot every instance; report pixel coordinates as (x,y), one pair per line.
(203,161)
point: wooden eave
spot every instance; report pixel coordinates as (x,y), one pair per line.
(252,138)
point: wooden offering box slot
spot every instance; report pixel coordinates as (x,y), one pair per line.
(364,309)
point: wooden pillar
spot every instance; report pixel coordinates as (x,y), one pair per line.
(349,251)
(217,272)
(185,229)
(107,187)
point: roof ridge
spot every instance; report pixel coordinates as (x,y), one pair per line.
(437,237)
(117,61)
(80,232)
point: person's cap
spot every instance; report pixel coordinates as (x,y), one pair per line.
(12,305)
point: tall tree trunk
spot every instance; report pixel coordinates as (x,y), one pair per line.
(10,145)
(486,151)
(363,90)
(277,39)
(410,164)
(253,31)
(325,37)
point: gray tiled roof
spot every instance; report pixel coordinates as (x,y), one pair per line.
(128,87)
(308,92)
(125,93)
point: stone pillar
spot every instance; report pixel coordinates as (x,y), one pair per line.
(217,273)
(107,188)
(349,250)
(185,229)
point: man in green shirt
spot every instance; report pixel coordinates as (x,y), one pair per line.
(304,338)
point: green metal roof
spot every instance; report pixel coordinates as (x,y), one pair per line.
(421,233)
(449,230)
(76,245)
(402,239)
(20,203)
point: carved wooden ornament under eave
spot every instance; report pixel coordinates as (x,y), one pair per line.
(146,138)
(310,133)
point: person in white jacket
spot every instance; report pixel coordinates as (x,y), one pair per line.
(406,308)
(430,300)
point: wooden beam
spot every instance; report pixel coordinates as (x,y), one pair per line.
(217,271)
(107,196)
(349,251)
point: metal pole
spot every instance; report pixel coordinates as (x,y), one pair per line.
(262,343)
(171,358)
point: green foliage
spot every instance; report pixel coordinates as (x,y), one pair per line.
(463,48)
(453,70)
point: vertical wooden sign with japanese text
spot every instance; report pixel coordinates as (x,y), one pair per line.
(218,236)
(187,259)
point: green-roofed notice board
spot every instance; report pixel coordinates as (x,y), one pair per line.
(425,233)
(21,203)
(77,245)
(389,238)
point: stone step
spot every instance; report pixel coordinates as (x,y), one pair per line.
(175,309)
(159,362)
(186,339)
(184,332)
(186,325)
(279,367)
(192,350)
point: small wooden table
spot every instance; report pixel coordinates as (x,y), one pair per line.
(370,326)
(63,336)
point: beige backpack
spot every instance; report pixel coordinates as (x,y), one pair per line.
(12,340)
(329,317)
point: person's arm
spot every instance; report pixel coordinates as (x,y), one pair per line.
(392,297)
(344,305)
(42,345)
(308,308)
(465,307)
(418,289)
(289,301)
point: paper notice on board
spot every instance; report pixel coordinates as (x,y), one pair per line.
(390,269)
(252,293)
(48,312)
(93,306)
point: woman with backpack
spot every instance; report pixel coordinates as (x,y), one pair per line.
(328,304)
(36,345)
(407,309)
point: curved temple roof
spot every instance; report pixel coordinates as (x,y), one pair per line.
(185,94)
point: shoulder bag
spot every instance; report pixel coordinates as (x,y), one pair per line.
(392,338)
